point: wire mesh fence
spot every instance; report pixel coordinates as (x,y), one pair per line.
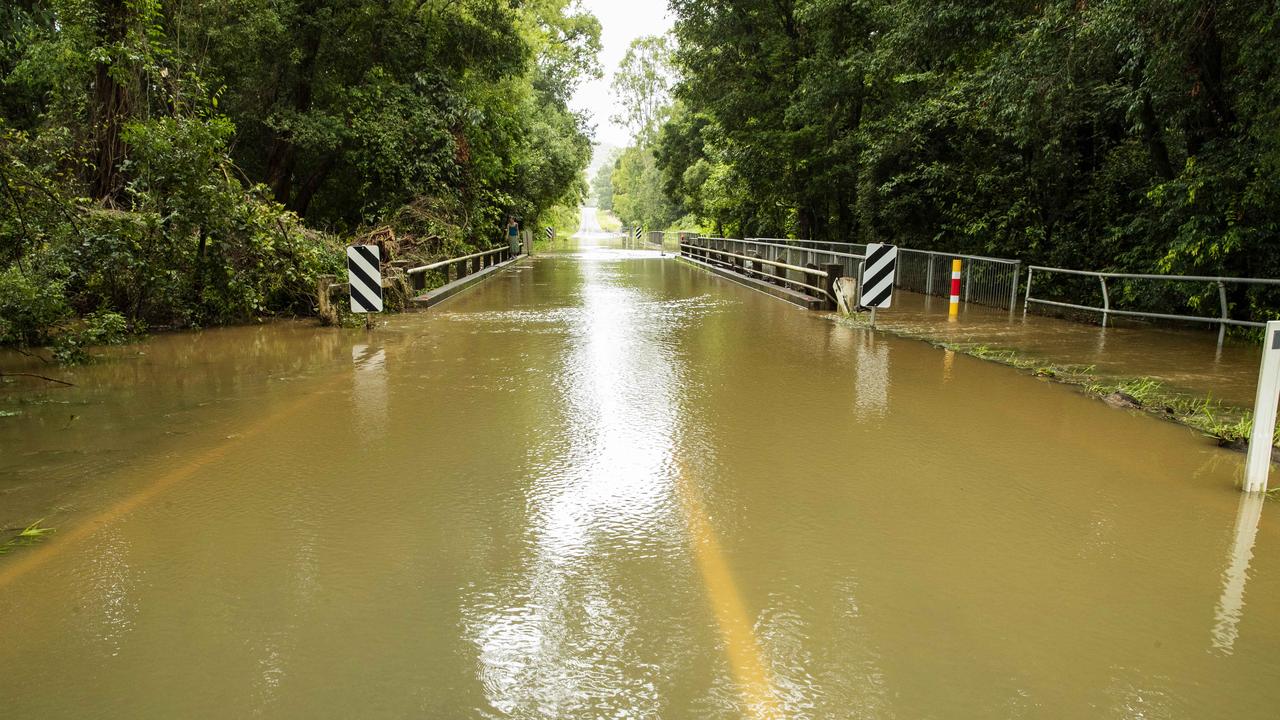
(983,280)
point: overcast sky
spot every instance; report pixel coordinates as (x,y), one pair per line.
(621,21)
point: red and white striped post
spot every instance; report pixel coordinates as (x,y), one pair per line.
(954,310)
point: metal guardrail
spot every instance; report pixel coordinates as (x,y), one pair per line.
(465,265)
(752,263)
(984,280)
(798,255)
(1222,319)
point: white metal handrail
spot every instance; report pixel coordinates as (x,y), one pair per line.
(1222,320)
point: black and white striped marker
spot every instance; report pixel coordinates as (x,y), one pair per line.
(364,273)
(639,232)
(878,276)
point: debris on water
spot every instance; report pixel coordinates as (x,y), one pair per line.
(1122,400)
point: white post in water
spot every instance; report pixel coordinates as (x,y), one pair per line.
(1258,464)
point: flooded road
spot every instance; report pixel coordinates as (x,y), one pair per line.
(606,484)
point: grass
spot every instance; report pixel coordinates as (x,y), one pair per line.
(30,535)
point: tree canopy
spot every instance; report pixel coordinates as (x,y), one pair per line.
(171,160)
(1138,135)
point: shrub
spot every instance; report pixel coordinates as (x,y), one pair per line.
(31,307)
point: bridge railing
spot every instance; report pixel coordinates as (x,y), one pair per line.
(984,280)
(1103,292)
(463,266)
(806,270)
(671,239)
(817,252)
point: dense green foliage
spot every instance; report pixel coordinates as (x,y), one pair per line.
(1140,135)
(642,87)
(602,182)
(175,161)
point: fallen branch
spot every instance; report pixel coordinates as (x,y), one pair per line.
(33,355)
(41,377)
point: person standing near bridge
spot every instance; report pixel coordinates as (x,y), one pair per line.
(513,233)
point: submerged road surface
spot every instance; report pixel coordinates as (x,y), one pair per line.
(605,484)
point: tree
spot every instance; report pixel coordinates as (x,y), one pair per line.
(158,160)
(642,86)
(638,198)
(602,183)
(1133,135)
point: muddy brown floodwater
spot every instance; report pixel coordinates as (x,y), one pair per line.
(607,484)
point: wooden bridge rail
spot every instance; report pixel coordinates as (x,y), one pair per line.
(464,265)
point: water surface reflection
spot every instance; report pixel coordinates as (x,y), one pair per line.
(562,639)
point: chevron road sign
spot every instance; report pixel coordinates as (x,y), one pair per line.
(364,273)
(878,276)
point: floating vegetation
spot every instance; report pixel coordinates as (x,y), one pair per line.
(30,535)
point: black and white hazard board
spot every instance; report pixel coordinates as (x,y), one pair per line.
(878,276)
(364,273)
(639,232)
(551,233)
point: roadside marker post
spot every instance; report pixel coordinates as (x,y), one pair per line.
(551,233)
(957,266)
(878,274)
(1257,464)
(364,280)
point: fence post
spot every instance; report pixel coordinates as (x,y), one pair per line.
(957,269)
(1106,300)
(1026,301)
(834,272)
(1222,300)
(1013,285)
(928,283)
(324,304)
(1258,463)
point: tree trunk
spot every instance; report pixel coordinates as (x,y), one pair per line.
(302,200)
(282,158)
(110,105)
(1214,114)
(1154,139)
